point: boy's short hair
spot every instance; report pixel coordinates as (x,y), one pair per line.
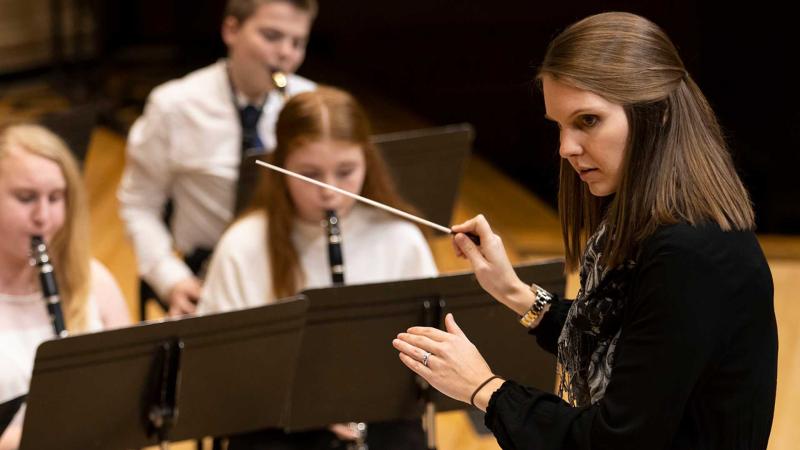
(241,10)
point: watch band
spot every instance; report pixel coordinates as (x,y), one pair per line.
(542,299)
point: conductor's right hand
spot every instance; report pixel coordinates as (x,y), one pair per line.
(491,265)
(183,297)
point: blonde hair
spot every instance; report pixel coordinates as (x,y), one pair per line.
(676,167)
(69,248)
(326,113)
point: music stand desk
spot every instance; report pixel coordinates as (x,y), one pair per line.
(349,371)
(94,391)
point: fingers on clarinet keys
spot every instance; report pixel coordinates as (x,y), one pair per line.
(425,357)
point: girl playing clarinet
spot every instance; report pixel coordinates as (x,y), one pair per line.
(279,247)
(41,194)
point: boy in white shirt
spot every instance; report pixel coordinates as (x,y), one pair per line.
(188,144)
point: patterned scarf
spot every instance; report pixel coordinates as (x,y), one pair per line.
(588,340)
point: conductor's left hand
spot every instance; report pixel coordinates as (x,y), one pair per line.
(455,367)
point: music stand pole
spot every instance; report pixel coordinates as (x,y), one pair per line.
(162,411)
(433,318)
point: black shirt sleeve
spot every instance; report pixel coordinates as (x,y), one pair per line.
(671,328)
(549,328)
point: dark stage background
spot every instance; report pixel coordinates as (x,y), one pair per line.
(473,61)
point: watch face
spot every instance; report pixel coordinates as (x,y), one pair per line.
(546,296)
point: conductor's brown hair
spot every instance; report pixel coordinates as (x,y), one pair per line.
(676,168)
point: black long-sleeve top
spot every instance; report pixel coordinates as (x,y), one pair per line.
(695,365)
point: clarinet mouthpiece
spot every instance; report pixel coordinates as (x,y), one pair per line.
(280,80)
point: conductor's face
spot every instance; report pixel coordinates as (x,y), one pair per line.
(593,133)
(337,163)
(273,38)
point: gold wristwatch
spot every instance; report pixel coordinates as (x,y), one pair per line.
(542,299)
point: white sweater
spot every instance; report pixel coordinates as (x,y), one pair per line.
(25,323)
(376,247)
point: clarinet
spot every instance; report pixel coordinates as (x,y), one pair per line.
(47,278)
(336,263)
(334,247)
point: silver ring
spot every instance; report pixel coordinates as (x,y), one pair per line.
(425,356)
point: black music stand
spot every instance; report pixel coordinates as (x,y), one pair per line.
(348,370)
(426,166)
(495,330)
(216,375)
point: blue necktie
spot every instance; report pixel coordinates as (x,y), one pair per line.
(251,146)
(251,143)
